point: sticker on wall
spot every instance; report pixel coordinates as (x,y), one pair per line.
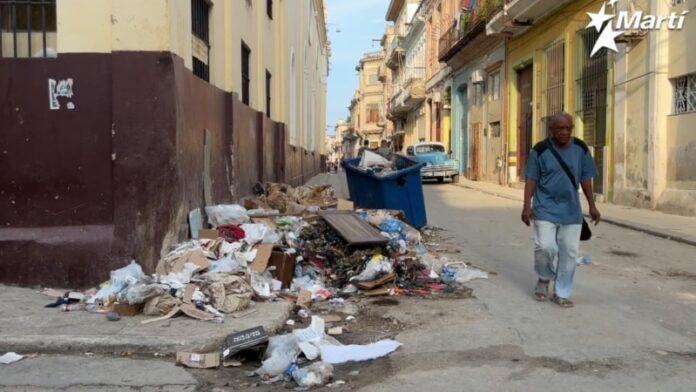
(57,89)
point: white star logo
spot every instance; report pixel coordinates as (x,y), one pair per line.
(598,20)
(606,40)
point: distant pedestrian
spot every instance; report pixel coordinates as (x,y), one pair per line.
(384,149)
(365,146)
(556,210)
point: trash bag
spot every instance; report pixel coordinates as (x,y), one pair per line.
(377,266)
(139,294)
(224,214)
(281,353)
(316,374)
(130,275)
(460,274)
(259,232)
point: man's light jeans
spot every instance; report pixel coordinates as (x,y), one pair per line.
(553,241)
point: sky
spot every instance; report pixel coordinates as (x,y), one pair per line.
(359,22)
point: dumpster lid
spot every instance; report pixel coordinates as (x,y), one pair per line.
(352,229)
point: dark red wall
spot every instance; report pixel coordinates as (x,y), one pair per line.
(83,191)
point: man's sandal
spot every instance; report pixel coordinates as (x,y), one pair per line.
(541,291)
(562,302)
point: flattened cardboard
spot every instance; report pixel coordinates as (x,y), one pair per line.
(344,204)
(263,254)
(304,298)
(169,315)
(198,314)
(198,361)
(378,292)
(369,285)
(196,257)
(208,234)
(188,293)
(332,318)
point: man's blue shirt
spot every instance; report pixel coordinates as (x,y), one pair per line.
(556,199)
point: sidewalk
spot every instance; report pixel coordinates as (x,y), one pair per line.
(672,227)
(27,327)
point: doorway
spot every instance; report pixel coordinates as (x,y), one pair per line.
(525,79)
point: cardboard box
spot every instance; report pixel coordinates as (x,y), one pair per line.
(126,309)
(208,234)
(198,361)
(284,267)
(263,253)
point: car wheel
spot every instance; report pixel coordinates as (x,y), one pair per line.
(441,179)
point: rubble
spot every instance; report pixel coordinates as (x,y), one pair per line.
(281,246)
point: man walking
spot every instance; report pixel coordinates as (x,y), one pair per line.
(556,210)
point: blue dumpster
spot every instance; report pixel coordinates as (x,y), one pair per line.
(398,190)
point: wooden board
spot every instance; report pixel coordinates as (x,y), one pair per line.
(352,229)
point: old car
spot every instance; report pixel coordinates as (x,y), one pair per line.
(438,164)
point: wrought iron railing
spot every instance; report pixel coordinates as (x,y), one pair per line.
(468,23)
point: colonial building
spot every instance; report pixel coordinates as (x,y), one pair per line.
(371,121)
(129,116)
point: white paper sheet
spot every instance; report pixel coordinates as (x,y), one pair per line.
(354,352)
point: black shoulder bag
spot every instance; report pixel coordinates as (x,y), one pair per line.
(586,233)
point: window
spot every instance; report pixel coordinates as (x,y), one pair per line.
(553,100)
(684,94)
(372,113)
(429,148)
(269,9)
(246,78)
(200,43)
(372,79)
(478,94)
(494,83)
(27,28)
(268,94)
(495,129)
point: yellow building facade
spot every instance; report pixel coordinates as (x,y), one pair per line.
(549,70)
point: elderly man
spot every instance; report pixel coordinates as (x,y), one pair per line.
(556,210)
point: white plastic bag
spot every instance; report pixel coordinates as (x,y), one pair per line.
(259,232)
(130,275)
(372,159)
(225,264)
(281,352)
(316,374)
(377,265)
(224,214)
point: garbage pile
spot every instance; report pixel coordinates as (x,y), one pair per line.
(285,244)
(376,164)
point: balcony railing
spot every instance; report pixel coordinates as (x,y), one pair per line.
(469,25)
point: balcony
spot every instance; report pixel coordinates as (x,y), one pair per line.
(470,26)
(408,96)
(518,16)
(395,53)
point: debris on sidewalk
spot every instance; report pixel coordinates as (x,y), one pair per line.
(285,244)
(10,357)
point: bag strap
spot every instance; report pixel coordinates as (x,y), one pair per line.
(560,160)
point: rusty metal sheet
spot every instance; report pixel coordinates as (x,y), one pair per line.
(352,229)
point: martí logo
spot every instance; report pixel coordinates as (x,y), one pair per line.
(628,21)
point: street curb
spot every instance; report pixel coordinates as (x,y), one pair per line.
(612,221)
(141,344)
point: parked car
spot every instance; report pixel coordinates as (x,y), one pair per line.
(438,164)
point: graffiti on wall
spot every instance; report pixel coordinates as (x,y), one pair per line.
(60,88)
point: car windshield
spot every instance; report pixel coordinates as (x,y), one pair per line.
(429,148)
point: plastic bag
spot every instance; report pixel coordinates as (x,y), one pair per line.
(316,374)
(178,280)
(225,264)
(130,275)
(259,232)
(377,266)
(223,214)
(372,159)
(281,353)
(139,294)
(391,225)
(460,274)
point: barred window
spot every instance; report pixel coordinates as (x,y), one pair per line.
(684,94)
(27,28)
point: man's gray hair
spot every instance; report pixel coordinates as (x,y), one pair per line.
(553,119)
